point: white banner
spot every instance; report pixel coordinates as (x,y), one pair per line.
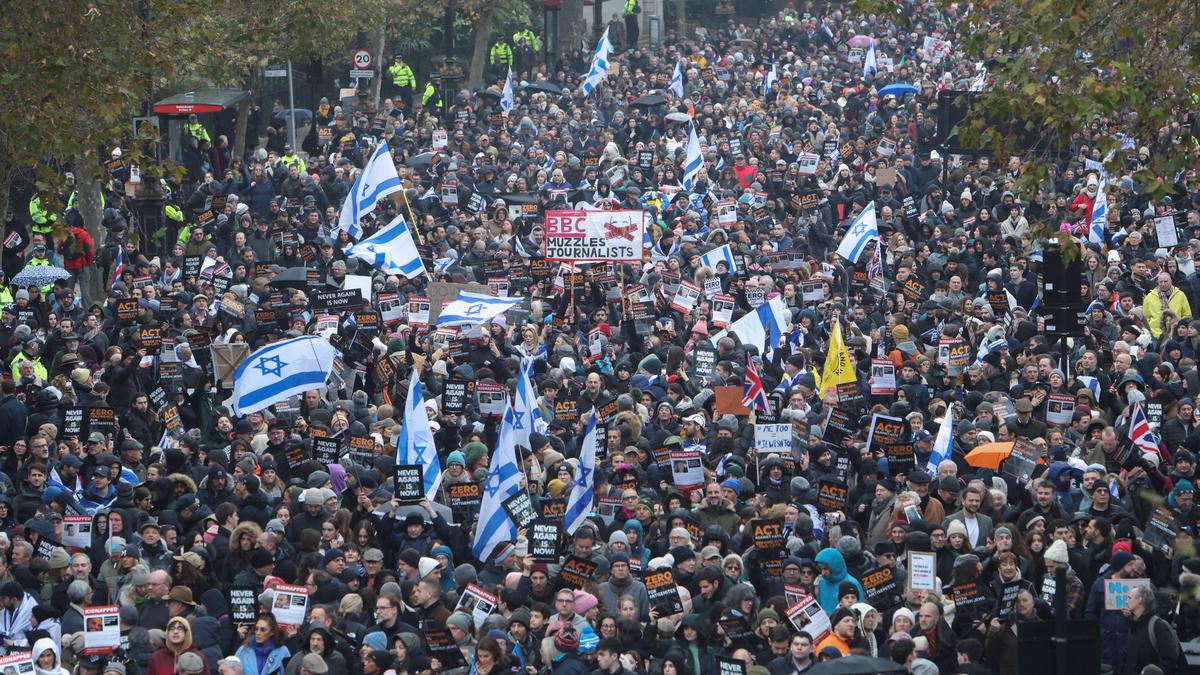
(594,236)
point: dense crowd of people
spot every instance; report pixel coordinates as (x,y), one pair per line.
(958,487)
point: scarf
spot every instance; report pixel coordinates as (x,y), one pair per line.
(261,652)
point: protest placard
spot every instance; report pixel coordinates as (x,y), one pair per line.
(664,594)
(101,629)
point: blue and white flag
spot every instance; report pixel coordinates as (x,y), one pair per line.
(599,68)
(675,86)
(1092,383)
(391,249)
(934,334)
(527,416)
(762,328)
(583,490)
(506,96)
(503,481)
(720,254)
(770,80)
(862,231)
(943,443)
(377,180)
(869,65)
(472,309)
(987,348)
(415,443)
(281,370)
(1099,216)
(693,160)
(443,264)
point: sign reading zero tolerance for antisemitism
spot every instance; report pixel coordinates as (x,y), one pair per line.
(594,236)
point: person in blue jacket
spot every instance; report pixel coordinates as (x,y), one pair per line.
(263,652)
(833,573)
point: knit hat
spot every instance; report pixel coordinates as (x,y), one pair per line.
(906,613)
(1057,552)
(584,601)
(460,621)
(456,457)
(900,332)
(839,614)
(956,527)
(847,588)
(766,613)
(566,640)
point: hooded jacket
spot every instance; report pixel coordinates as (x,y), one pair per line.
(827,587)
(165,660)
(40,648)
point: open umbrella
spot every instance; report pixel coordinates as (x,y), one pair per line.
(898,90)
(861,41)
(856,665)
(543,85)
(302,114)
(681,117)
(648,100)
(488,93)
(39,275)
(989,455)
(423,159)
(292,277)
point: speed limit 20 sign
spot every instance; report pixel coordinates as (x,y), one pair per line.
(363,61)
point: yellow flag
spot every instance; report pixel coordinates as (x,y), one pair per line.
(839,367)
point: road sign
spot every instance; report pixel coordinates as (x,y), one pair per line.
(275,71)
(363,59)
(366,74)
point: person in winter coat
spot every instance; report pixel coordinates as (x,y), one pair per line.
(833,573)
(46,659)
(320,641)
(263,652)
(1152,640)
(1001,645)
(176,643)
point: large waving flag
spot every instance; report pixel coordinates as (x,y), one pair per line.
(280,370)
(869,64)
(770,80)
(506,96)
(1140,432)
(754,395)
(720,254)
(391,249)
(762,328)
(676,84)
(471,309)
(415,443)
(583,490)
(989,347)
(599,68)
(527,416)
(1099,215)
(862,231)
(377,180)
(839,367)
(503,481)
(943,443)
(692,160)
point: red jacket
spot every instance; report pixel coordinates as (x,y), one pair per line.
(162,661)
(78,252)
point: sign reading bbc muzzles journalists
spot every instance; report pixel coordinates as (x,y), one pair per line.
(594,236)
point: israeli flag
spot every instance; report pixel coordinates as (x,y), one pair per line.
(377,180)
(415,443)
(770,80)
(762,328)
(472,309)
(443,264)
(391,250)
(583,490)
(1091,383)
(720,254)
(869,65)
(987,348)
(1099,215)
(527,417)
(692,160)
(943,443)
(506,96)
(676,84)
(503,481)
(599,69)
(281,370)
(862,231)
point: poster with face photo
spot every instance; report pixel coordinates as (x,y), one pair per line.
(101,629)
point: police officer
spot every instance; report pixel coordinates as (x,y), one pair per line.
(404,80)
(632,12)
(194,128)
(501,56)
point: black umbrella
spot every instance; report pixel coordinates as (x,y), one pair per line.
(488,93)
(856,665)
(649,100)
(423,159)
(302,114)
(292,277)
(543,85)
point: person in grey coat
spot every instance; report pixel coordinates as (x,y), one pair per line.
(621,583)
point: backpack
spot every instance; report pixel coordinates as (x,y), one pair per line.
(1181,664)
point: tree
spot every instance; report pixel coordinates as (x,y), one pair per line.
(1075,72)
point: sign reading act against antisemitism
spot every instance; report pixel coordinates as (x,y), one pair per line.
(594,236)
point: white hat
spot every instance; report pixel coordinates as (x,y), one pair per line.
(1114,257)
(426,565)
(1057,552)
(933,154)
(697,418)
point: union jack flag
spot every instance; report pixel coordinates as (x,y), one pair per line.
(754,396)
(1140,432)
(118,268)
(876,266)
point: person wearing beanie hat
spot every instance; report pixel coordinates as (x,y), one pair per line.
(621,583)
(843,624)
